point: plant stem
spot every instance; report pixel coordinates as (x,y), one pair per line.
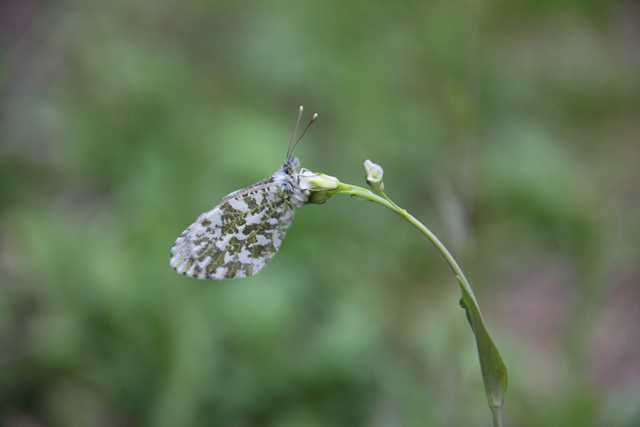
(386,202)
(496,411)
(494,373)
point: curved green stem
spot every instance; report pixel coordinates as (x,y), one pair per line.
(388,203)
(494,372)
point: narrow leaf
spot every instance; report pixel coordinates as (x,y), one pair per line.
(494,372)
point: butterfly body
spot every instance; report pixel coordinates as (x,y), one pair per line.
(239,236)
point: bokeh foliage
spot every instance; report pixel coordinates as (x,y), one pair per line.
(510,128)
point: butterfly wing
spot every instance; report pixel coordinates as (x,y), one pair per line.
(238,237)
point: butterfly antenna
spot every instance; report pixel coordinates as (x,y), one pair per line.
(289,150)
(313,119)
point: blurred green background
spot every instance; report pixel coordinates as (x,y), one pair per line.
(511,129)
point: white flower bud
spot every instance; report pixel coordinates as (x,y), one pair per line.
(374,176)
(317,181)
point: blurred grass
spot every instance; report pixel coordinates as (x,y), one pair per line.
(509,128)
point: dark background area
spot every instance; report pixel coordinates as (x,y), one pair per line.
(511,129)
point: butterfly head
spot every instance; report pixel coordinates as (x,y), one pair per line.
(291,166)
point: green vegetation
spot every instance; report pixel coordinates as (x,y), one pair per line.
(510,128)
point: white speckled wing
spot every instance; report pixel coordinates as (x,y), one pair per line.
(239,236)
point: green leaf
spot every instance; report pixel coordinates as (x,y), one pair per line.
(494,372)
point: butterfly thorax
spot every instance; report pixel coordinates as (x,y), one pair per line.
(287,175)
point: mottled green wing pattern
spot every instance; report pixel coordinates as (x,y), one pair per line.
(239,236)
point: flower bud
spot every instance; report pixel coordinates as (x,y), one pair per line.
(318,185)
(317,181)
(374,176)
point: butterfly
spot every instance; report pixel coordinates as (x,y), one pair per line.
(239,236)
